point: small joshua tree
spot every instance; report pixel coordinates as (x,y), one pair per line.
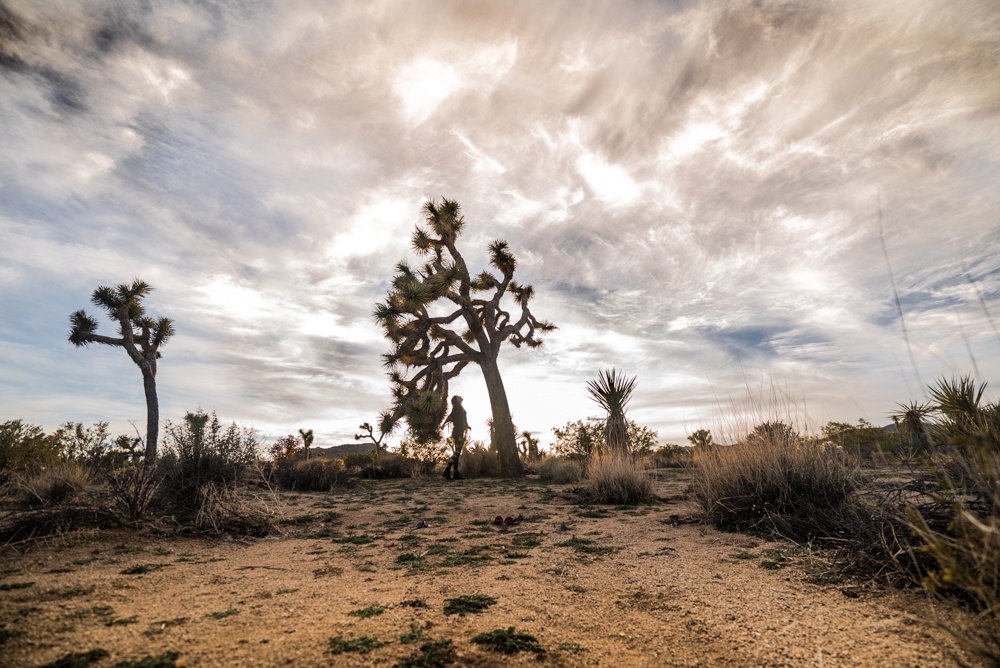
(307,440)
(474,327)
(702,438)
(613,391)
(140,335)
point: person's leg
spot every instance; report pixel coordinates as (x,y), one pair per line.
(454,459)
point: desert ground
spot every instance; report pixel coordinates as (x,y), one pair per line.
(595,585)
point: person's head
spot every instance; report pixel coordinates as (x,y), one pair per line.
(456,400)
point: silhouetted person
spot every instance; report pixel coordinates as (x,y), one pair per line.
(459,427)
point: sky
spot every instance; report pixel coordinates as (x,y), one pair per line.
(704,195)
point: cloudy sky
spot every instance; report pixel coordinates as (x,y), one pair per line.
(693,188)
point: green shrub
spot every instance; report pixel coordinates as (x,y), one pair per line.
(318,474)
(618,478)
(200,453)
(393,465)
(671,455)
(362,460)
(25,446)
(775,482)
(560,470)
(427,454)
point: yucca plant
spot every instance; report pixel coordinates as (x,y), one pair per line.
(612,391)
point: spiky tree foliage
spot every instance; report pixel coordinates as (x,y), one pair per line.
(702,438)
(431,345)
(140,335)
(910,422)
(960,403)
(612,391)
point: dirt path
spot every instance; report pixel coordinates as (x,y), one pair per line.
(596,586)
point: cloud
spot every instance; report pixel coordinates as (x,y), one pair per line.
(692,188)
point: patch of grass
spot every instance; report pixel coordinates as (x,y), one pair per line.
(743,554)
(409,559)
(577,589)
(166,660)
(413,635)
(11,586)
(433,654)
(526,540)
(508,641)
(9,634)
(355,539)
(585,545)
(222,614)
(140,569)
(297,520)
(471,557)
(516,555)
(79,659)
(472,603)
(361,644)
(370,611)
(286,591)
(572,647)
(437,549)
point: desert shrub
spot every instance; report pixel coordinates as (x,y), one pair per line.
(964,539)
(479,462)
(25,446)
(427,455)
(560,470)
(286,449)
(865,441)
(319,474)
(581,438)
(618,478)
(94,446)
(393,465)
(775,482)
(200,452)
(362,460)
(133,490)
(56,485)
(671,456)
(222,510)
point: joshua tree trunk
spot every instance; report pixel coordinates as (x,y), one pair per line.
(152,415)
(504,440)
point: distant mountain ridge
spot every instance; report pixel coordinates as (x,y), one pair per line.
(338,451)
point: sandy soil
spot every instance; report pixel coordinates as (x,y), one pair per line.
(596,585)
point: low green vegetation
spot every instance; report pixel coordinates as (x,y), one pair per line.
(508,641)
(433,654)
(359,645)
(469,604)
(370,611)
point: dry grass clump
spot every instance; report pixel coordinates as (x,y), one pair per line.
(319,474)
(133,490)
(225,511)
(560,470)
(618,478)
(55,485)
(773,481)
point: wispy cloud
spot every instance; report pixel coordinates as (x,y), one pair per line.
(691,187)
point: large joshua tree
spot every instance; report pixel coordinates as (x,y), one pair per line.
(613,391)
(439,319)
(140,335)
